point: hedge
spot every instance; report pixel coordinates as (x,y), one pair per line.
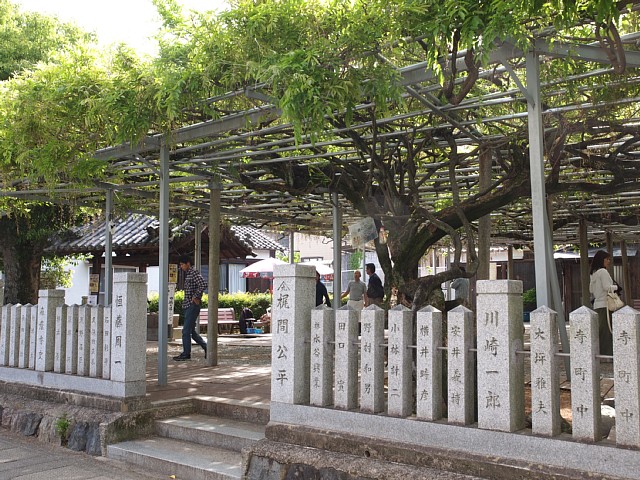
(257,302)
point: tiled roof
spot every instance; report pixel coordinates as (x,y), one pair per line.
(141,232)
(255,238)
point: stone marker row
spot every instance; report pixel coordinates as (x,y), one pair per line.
(345,368)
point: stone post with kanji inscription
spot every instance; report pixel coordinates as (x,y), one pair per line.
(71,349)
(372,359)
(400,381)
(294,294)
(129,333)
(322,348)
(25,334)
(106,344)
(61,340)
(585,374)
(545,384)
(96,350)
(48,301)
(429,364)
(346,376)
(14,335)
(84,339)
(626,369)
(5,325)
(33,338)
(461,373)
(500,369)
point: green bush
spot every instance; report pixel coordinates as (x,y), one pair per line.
(529,299)
(257,302)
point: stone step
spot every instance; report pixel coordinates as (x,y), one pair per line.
(211,431)
(183,460)
(245,411)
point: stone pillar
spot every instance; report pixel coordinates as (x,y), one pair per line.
(460,374)
(25,333)
(429,364)
(48,301)
(1,293)
(545,385)
(61,340)
(96,350)
(84,340)
(129,330)
(626,368)
(33,337)
(71,349)
(346,376)
(400,382)
(372,360)
(500,369)
(293,299)
(106,343)
(585,374)
(5,329)
(323,329)
(14,335)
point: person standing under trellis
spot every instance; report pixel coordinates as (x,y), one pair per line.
(194,287)
(601,283)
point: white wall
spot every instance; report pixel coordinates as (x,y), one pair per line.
(313,246)
(79,282)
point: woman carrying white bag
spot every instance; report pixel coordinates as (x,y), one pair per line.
(600,285)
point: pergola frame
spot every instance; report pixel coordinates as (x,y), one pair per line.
(184,172)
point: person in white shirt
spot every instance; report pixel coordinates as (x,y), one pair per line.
(357,291)
(600,284)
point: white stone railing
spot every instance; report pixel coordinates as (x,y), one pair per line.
(325,375)
(81,348)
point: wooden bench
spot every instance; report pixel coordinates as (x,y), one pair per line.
(227,322)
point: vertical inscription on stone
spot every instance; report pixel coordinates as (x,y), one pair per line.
(545,387)
(96,349)
(48,301)
(346,376)
(60,356)
(5,325)
(460,372)
(84,339)
(585,374)
(500,368)
(322,329)
(372,360)
(626,369)
(429,364)
(71,363)
(14,335)
(33,337)
(293,300)
(400,394)
(106,344)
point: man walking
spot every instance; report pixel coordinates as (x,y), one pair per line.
(357,292)
(194,287)
(375,290)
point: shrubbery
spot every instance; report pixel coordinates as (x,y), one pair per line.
(257,302)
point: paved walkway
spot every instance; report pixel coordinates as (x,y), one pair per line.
(243,371)
(26,458)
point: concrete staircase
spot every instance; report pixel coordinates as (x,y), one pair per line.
(204,445)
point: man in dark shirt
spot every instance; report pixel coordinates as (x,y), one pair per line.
(375,290)
(194,287)
(321,292)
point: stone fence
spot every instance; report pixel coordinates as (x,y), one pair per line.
(87,349)
(456,384)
